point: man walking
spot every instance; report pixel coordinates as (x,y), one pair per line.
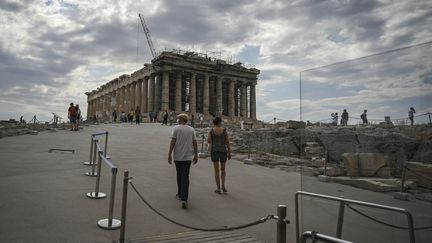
(185,148)
(72,115)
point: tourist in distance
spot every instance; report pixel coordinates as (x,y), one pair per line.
(122,116)
(220,151)
(363,116)
(335,118)
(171,117)
(411,115)
(78,119)
(114,114)
(184,149)
(131,115)
(344,118)
(165,118)
(72,115)
(137,115)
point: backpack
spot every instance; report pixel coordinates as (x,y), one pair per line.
(362,116)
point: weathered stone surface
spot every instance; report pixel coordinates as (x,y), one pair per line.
(373,184)
(350,161)
(296,124)
(370,163)
(420,172)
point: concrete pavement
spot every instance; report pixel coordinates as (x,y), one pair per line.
(43,194)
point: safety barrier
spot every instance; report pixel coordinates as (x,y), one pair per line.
(314,236)
(347,202)
(92,158)
(98,157)
(280,217)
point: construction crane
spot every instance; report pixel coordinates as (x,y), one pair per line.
(147,33)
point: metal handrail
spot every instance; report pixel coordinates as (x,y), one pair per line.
(343,202)
(321,237)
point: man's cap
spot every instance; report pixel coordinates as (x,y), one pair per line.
(183,116)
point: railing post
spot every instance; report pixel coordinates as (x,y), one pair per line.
(111,223)
(106,146)
(91,152)
(123,207)
(340,219)
(96,194)
(93,162)
(403,179)
(281,224)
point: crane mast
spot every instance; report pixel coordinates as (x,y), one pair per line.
(147,33)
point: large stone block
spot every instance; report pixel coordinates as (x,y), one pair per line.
(370,163)
(420,172)
(351,163)
(296,124)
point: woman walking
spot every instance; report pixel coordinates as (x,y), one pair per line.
(220,151)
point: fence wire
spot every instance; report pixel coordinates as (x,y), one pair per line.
(259,221)
(384,223)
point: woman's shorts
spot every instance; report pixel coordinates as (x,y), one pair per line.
(219,156)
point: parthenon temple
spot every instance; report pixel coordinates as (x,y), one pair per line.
(183,82)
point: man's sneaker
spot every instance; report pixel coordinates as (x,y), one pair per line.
(184,205)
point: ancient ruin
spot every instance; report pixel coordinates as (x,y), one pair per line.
(183,82)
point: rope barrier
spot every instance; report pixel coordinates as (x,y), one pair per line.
(419,174)
(259,221)
(384,223)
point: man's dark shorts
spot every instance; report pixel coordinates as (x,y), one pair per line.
(219,156)
(72,119)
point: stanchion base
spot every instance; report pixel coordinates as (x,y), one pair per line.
(324,178)
(202,155)
(103,223)
(248,161)
(87,163)
(92,195)
(91,174)
(108,157)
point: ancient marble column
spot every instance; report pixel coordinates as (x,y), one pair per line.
(192,94)
(138,96)
(243,100)
(178,93)
(206,94)
(132,95)
(231,95)
(252,105)
(144,96)
(151,89)
(127,98)
(157,95)
(219,107)
(165,90)
(121,99)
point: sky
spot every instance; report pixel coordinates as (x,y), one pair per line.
(52,52)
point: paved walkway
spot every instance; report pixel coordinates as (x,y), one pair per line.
(42,195)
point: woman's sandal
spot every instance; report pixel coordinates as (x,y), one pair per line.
(224,190)
(217,191)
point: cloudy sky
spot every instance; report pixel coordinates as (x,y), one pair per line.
(51,52)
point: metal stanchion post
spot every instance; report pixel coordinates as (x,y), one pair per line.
(92,173)
(111,223)
(123,207)
(106,146)
(91,152)
(430,121)
(403,179)
(96,194)
(202,154)
(281,224)
(340,220)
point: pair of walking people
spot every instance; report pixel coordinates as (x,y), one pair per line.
(184,149)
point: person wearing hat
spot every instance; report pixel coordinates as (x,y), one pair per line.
(184,149)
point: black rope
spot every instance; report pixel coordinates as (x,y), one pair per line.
(260,221)
(419,174)
(384,223)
